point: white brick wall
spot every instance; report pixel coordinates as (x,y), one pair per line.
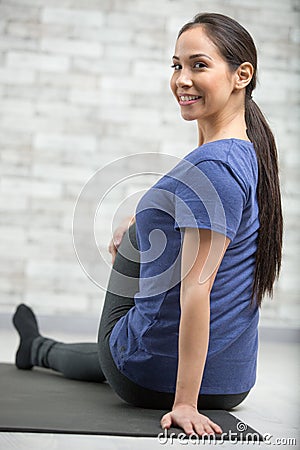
(83,83)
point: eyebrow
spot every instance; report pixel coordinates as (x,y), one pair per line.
(197,55)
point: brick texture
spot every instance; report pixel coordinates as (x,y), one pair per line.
(84,83)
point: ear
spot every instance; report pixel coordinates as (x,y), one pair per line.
(244,74)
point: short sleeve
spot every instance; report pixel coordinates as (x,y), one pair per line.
(211,197)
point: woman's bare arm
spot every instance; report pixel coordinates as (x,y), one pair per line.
(202,253)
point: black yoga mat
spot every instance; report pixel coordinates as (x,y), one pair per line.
(43,401)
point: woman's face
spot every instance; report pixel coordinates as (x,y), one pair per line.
(202,82)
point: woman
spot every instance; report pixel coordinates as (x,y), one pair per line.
(209,237)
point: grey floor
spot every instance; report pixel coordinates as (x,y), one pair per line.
(272,407)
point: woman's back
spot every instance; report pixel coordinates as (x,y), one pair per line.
(214,187)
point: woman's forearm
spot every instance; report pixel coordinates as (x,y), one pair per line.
(193,344)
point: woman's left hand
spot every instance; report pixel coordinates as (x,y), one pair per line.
(190,420)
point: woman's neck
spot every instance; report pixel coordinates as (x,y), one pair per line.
(233,126)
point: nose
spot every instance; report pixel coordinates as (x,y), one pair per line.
(184,79)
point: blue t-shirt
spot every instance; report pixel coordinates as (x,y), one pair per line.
(213,187)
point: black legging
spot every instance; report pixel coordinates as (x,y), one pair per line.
(93,362)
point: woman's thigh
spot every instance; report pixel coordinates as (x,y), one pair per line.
(122,286)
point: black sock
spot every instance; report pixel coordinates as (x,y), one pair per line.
(26,324)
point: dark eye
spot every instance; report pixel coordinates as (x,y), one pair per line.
(199,65)
(176,66)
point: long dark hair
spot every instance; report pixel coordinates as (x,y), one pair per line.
(236,47)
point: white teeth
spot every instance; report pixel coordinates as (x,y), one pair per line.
(187,98)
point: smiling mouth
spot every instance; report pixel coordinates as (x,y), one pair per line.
(188,99)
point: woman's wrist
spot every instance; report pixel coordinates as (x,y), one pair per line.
(184,404)
(186,395)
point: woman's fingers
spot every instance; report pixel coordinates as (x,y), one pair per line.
(112,250)
(166,421)
(116,240)
(187,427)
(115,243)
(190,427)
(118,236)
(111,247)
(185,424)
(207,426)
(202,429)
(216,428)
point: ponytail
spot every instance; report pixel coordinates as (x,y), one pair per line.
(269,244)
(236,46)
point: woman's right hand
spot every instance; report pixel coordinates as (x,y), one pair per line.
(118,236)
(190,420)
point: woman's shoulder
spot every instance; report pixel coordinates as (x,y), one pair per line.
(218,161)
(227,158)
(228,151)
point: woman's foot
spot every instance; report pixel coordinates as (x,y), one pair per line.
(26,324)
